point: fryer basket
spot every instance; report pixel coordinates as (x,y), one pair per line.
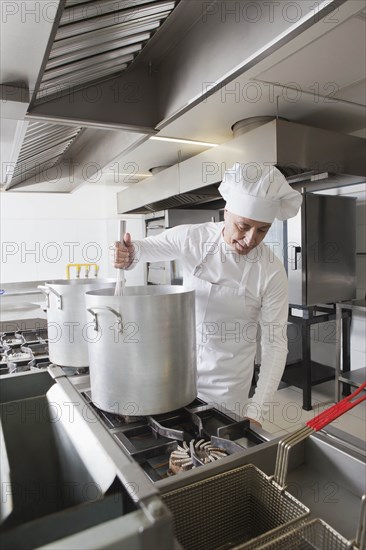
(314,535)
(231,508)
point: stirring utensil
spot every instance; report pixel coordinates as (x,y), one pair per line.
(120,282)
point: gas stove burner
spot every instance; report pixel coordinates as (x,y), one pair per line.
(129,419)
(36,350)
(19,356)
(32,336)
(180,440)
(206,452)
(82,370)
(3,349)
(180,460)
(195,454)
(74,371)
(13,342)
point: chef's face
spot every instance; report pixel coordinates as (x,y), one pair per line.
(243,234)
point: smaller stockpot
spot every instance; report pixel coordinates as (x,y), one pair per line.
(66,319)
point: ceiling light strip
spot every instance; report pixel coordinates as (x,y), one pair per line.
(187,141)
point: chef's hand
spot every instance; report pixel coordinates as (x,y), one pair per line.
(123,252)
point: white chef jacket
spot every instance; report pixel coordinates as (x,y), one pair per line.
(233,294)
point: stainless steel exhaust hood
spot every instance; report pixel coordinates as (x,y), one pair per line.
(308,156)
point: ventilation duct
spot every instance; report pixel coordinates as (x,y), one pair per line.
(42,148)
(98,39)
(306,156)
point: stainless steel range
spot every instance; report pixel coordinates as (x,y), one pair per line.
(168,444)
(23,350)
(163,445)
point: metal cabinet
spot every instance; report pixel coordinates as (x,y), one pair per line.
(320,250)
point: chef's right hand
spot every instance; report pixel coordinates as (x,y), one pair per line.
(123,252)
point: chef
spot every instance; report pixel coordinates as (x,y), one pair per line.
(240,285)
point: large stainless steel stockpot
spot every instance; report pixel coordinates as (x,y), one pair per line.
(142,349)
(66,319)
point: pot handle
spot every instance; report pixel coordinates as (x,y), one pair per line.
(46,291)
(92,310)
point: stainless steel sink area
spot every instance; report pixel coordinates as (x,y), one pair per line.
(328,474)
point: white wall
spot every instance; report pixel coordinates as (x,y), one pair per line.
(42,233)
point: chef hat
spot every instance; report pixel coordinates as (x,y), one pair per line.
(259,193)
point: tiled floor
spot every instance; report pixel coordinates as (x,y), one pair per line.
(287,414)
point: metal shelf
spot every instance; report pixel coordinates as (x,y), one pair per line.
(293,374)
(346,376)
(354,377)
(307,373)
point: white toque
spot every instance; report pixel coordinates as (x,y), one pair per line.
(259,192)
